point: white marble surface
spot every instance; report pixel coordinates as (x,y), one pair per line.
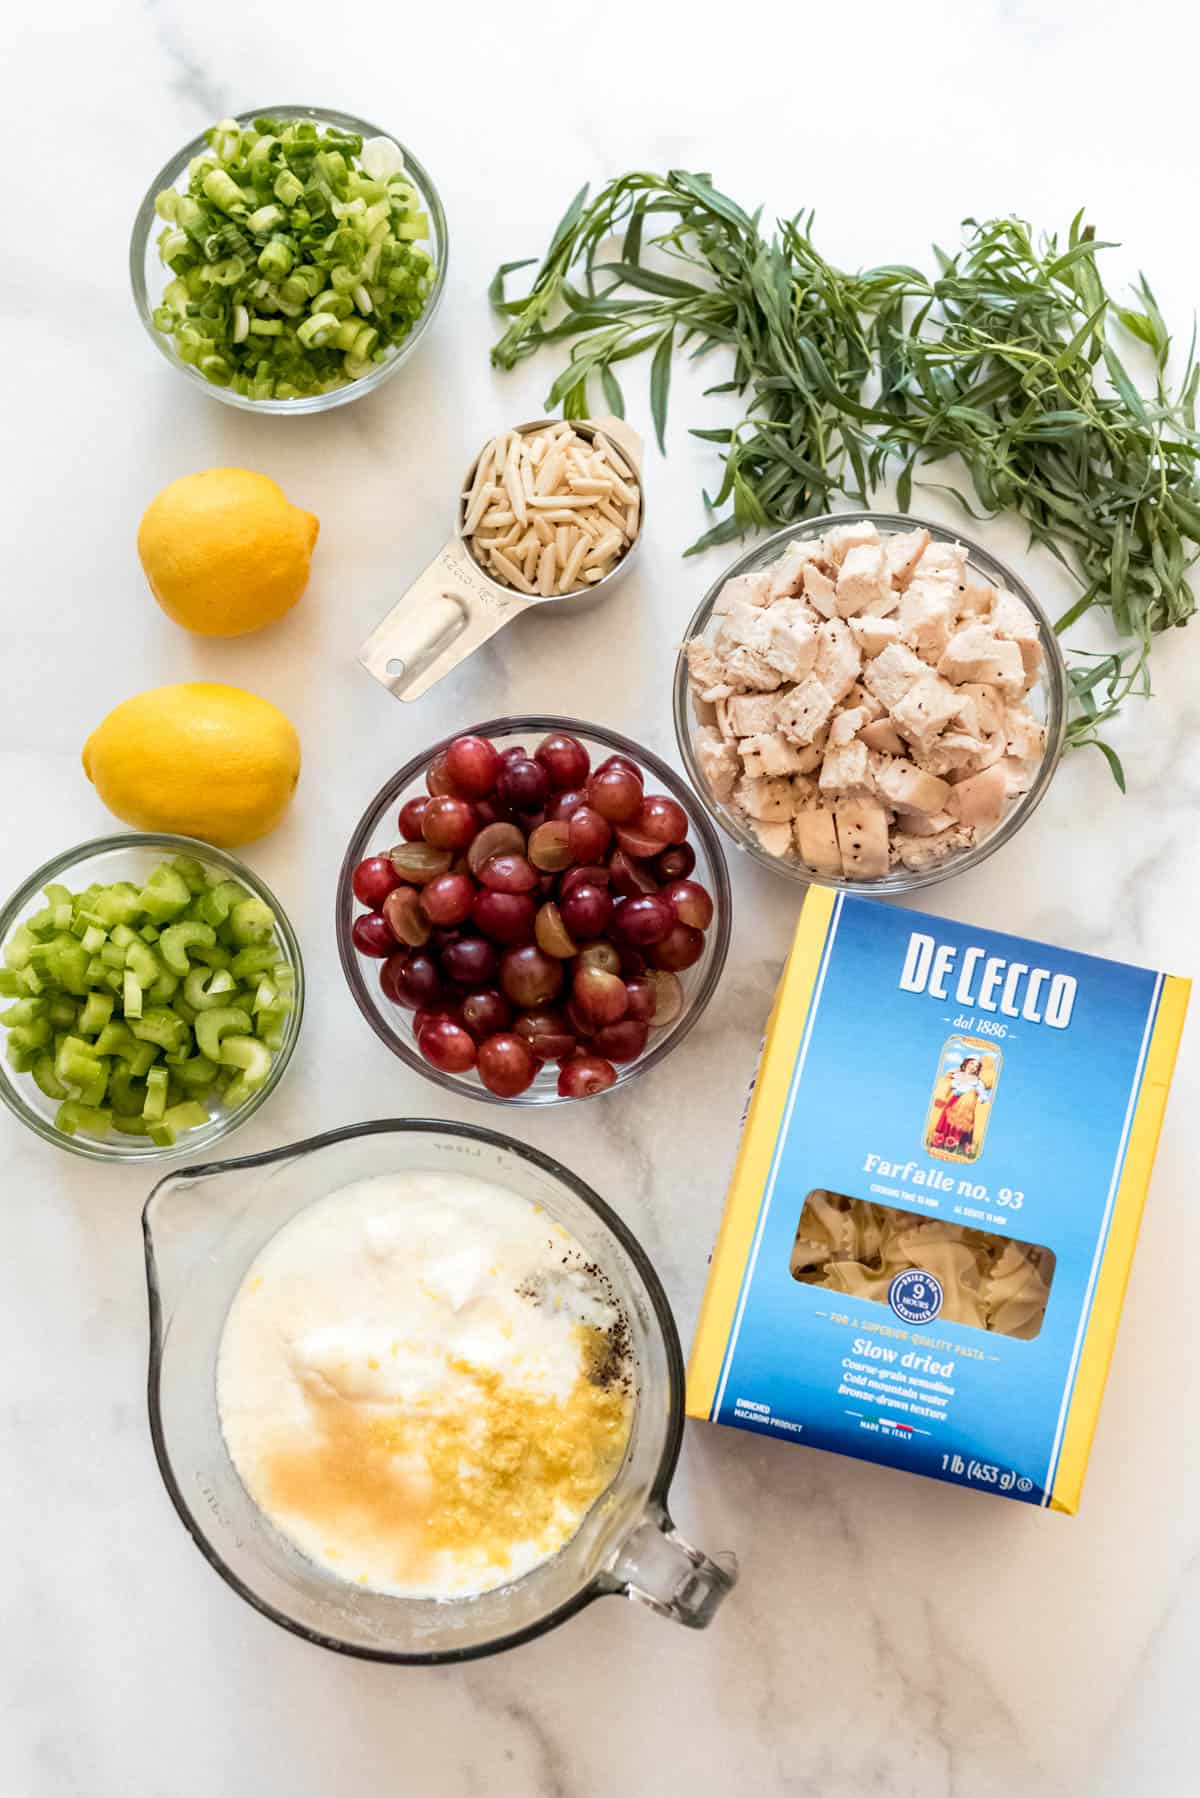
(889,1635)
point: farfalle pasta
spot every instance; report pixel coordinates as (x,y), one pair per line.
(857,1248)
(935,1202)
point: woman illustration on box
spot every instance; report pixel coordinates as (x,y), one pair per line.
(959,1094)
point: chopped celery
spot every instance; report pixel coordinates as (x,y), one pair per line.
(164,895)
(156,1095)
(202,992)
(46,1078)
(211,1026)
(177,939)
(132,1007)
(158,1025)
(88,1120)
(96,1013)
(260,958)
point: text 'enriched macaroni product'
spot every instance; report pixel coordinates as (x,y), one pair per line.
(933,1214)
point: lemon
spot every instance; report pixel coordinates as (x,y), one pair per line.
(207,761)
(226,552)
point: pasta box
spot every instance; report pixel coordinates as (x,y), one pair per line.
(933,1213)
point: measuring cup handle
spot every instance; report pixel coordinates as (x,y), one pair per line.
(450,610)
(655,1566)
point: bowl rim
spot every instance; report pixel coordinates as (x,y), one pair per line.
(125,1151)
(603,1583)
(168,176)
(909,880)
(719,933)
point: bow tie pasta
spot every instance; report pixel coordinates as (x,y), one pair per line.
(857,1248)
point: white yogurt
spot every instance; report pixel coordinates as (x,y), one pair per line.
(423,1384)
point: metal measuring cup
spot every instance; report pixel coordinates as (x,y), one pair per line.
(454,605)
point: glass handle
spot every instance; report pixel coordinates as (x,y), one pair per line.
(658,1568)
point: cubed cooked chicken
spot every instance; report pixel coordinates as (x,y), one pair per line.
(863,702)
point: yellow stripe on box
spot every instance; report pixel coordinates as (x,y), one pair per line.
(785,1032)
(1122,1238)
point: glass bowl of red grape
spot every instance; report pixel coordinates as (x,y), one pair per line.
(533,910)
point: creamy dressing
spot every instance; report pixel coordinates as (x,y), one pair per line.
(424,1385)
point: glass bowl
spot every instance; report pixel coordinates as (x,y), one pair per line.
(377,831)
(1047,700)
(149,276)
(132,857)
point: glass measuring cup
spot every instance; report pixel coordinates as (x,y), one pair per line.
(205,1225)
(454,606)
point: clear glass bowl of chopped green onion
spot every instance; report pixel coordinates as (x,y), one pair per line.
(151,993)
(289,259)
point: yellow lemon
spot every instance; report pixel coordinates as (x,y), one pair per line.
(226,552)
(205,760)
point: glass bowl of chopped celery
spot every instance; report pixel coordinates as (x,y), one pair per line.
(151,992)
(289,259)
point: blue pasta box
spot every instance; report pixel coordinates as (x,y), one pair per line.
(934,1209)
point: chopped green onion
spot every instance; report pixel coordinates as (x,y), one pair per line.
(273,215)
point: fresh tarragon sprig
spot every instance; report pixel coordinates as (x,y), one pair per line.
(1006,358)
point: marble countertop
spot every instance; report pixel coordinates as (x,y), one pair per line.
(889,1635)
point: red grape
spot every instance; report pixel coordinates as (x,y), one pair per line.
(591,874)
(676,863)
(662,818)
(419,863)
(411,814)
(528,976)
(620,761)
(405,919)
(504,917)
(552,934)
(490,811)
(633,840)
(506,1065)
(602,955)
(449,823)
(631,963)
(586,910)
(692,904)
(547,1032)
(668,994)
(470,962)
(588,834)
(373,880)
(586,1075)
(494,839)
(447,1046)
(575,1018)
(600,998)
(643,998)
(550,847)
(681,949)
(564,805)
(371,935)
(564,758)
(437,777)
(522,783)
(643,921)
(622,1041)
(418,984)
(473,765)
(485,1013)
(446,1009)
(514,753)
(616,794)
(629,877)
(508,874)
(389,973)
(448,899)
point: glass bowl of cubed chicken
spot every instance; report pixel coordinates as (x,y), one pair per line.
(870,701)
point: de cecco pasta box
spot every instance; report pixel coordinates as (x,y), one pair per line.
(930,1226)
